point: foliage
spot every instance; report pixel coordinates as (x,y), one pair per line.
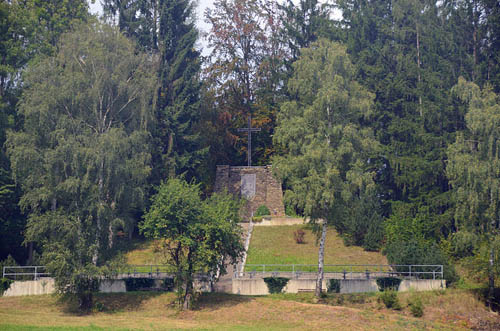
(334,285)
(201,236)
(275,284)
(166,29)
(390,299)
(8,262)
(463,243)
(412,252)
(388,283)
(326,150)
(299,235)
(82,157)
(416,306)
(262,211)
(4,285)
(474,165)
(244,76)
(137,284)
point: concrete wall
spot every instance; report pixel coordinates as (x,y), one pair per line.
(112,286)
(422,285)
(30,287)
(273,221)
(268,190)
(257,286)
(358,285)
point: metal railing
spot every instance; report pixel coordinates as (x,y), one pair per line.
(348,271)
(24,272)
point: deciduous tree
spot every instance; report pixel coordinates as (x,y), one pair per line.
(199,236)
(82,157)
(327,153)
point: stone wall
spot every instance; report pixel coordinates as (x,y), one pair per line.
(239,180)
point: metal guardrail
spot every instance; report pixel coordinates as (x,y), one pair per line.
(360,271)
(24,272)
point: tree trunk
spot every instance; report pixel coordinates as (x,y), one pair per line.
(321,260)
(491,277)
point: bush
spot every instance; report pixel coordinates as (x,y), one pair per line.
(4,285)
(416,306)
(84,287)
(463,244)
(388,283)
(414,252)
(334,286)
(168,284)
(390,300)
(275,284)
(137,284)
(299,236)
(262,211)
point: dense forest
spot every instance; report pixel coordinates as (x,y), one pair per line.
(378,116)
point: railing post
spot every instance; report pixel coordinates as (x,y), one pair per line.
(410,269)
(35,272)
(3,272)
(263,269)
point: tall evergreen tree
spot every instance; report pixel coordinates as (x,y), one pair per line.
(166,29)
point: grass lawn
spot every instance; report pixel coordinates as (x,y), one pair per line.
(276,245)
(445,310)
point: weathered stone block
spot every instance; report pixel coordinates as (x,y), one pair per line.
(256,184)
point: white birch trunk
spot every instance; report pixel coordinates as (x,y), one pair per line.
(321,261)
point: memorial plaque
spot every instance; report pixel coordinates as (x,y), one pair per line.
(248,186)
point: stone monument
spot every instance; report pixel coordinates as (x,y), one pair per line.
(255,184)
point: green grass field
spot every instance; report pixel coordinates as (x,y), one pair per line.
(445,310)
(276,245)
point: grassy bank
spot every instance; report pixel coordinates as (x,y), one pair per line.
(446,310)
(276,245)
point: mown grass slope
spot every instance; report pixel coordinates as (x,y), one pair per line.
(445,310)
(276,245)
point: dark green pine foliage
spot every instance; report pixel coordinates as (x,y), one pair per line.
(304,23)
(402,53)
(166,29)
(178,98)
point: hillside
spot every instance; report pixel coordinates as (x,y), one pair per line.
(446,310)
(276,245)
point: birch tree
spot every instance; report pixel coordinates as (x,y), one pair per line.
(82,156)
(474,167)
(326,150)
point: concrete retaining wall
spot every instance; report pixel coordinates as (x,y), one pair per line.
(274,221)
(112,286)
(30,287)
(257,286)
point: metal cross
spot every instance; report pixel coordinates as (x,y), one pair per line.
(249,130)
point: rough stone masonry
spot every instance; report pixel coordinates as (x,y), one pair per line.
(256,184)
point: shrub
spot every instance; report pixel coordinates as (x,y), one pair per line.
(4,285)
(262,211)
(299,236)
(275,284)
(390,300)
(168,284)
(388,283)
(334,286)
(414,252)
(416,306)
(257,219)
(137,284)
(463,244)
